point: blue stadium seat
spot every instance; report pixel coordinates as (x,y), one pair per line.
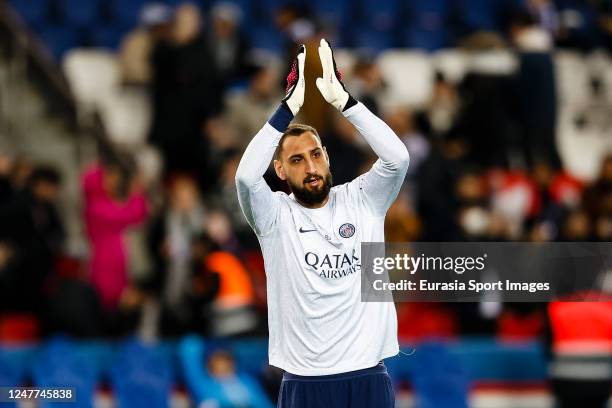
(481,14)
(61,363)
(266,9)
(173,3)
(80,13)
(100,355)
(251,355)
(126,12)
(398,367)
(191,355)
(33,11)
(426,26)
(338,13)
(430,41)
(438,378)
(15,366)
(380,14)
(266,38)
(142,376)
(508,362)
(107,36)
(59,39)
(373,41)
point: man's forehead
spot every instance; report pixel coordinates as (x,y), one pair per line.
(303,143)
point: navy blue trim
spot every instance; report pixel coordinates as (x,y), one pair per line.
(380,368)
(350,102)
(281,118)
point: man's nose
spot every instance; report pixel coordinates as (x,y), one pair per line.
(310,166)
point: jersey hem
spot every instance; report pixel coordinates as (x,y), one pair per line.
(334,370)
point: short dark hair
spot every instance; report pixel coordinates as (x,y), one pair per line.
(295,129)
(46,174)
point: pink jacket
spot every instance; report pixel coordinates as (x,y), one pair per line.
(105,222)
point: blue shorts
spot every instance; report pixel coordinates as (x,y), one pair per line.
(367,388)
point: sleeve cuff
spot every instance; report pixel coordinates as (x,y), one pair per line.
(355,109)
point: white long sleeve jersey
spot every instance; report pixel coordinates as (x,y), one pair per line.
(317,322)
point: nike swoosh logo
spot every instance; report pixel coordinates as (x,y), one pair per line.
(302,230)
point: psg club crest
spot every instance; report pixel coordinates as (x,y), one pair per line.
(347,230)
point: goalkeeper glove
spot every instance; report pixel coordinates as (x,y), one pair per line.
(331,86)
(296,84)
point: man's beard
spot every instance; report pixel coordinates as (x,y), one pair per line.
(311,197)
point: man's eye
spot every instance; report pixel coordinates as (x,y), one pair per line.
(296,160)
(317,154)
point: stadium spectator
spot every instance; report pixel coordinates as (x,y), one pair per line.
(344,144)
(436,198)
(441,111)
(403,123)
(233,311)
(230,47)
(558,192)
(545,14)
(33,237)
(367,83)
(605,23)
(473,202)
(171,244)
(113,201)
(221,231)
(73,307)
(245,110)
(514,198)
(225,197)
(136,48)
(186,93)
(579,344)
(576,226)
(597,197)
(577,25)
(485,92)
(402,223)
(230,389)
(295,24)
(603,228)
(21,170)
(535,89)
(6,188)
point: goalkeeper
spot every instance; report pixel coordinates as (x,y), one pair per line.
(330,344)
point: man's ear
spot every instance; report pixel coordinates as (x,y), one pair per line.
(280,172)
(326,155)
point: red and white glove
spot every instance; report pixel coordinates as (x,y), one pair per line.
(330,85)
(296,85)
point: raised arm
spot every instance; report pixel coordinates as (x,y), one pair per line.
(380,185)
(258,203)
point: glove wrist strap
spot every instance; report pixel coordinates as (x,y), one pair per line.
(281,118)
(349,103)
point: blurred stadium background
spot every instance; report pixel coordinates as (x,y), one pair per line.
(126,268)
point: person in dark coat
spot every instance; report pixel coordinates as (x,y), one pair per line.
(34,232)
(535,91)
(186,93)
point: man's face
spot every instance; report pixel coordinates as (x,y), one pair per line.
(264,83)
(304,164)
(46,191)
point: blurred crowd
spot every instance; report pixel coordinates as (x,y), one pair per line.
(484,167)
